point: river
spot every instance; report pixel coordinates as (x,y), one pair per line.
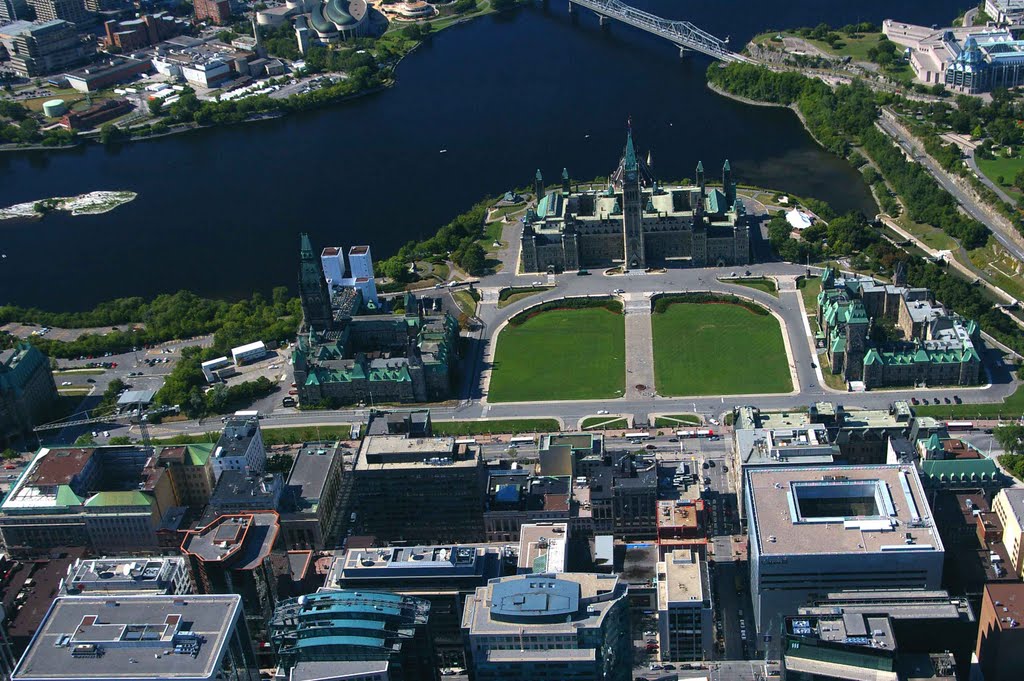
(219,210)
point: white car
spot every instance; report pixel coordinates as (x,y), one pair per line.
(602,412)
(66,383)
(619,290)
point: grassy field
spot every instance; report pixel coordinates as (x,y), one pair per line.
(1007,167)
(856,48)
(676,420)
(760,283)
(809,290)
(512,426)
(1012,408)
(1000,266)
(834,381)
(931,236)
(465,300)
(92,372)
(511,295)
(748,347)
(604,423)
(566,354)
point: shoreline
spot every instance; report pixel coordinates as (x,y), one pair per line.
(753,102)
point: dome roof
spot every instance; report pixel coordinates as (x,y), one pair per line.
(337,12)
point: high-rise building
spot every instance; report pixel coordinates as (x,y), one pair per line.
(141,638)
(240,447)
(353,635)
(816,529)
(685,612)
(49,47)
(332,260)
(1008,505)
(318,497)
(67,10)
(152,575)
(13,10)
(1000,648)
(443,575)
(215,11)
(360,262)
(569,627)
(27,390)
(432,489)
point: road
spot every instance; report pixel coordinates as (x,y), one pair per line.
(966,199)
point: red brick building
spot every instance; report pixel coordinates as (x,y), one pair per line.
(142,32)
(1000,647)
(216,11)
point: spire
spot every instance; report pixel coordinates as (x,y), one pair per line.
(305,247)
(650,160)
(629,158)
(726,167)
(565,174)
(565,181)
(538,185)
(538,176)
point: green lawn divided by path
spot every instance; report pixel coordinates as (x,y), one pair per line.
(677,420)
(604,423)
(565,354)
(760,283)
(1011,408)
(1007,167)
(512,426)
(718,349)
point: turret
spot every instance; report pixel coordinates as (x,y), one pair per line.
(700,177)
(566,189)
(538,185)
(727,184)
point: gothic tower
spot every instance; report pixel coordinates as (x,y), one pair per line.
(313,292)
(538,185)
(565,181)
(632,216)
(728,187)
(700,177)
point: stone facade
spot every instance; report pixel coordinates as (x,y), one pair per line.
(635,222)
(937,347)
(27,390)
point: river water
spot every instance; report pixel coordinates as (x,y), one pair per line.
(219,211)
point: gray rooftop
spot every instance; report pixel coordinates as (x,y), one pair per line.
(243,539)
(124,575)
(131,397)
(311,468)
(237,434)
(337,669)
(132,636)
(798,510)
(398,451)
(1015,499)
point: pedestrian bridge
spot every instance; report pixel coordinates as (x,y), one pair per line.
(682,33)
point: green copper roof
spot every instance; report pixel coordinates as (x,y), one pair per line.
(66,497)
(200,453)
(872,357)
(960,470)
(538,176)
(337,12)
(934,442)
(700,166)
(305,247)
(131,498)
(565,173)
(629,160)
(715,202)
(726,167)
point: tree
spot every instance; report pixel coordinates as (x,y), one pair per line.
(111,134)
(396,269)
(10,454)
(1010,438)
(280,463)
(474,259)
(156,106)
(1018,180)
(120,440)
(85,440)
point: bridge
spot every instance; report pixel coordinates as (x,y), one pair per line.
(681,33)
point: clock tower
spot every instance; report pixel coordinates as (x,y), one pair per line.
(632,215)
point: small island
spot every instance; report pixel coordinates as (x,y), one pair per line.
(92,203)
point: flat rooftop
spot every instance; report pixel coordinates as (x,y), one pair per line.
(680,579)
(311,468)
(398,451)
(245,539)
(1008,601)
(123,574)
(897,604)
(798,510)
(85,637)
(237,434)
(542,547)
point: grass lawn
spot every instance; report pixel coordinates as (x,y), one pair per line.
(1011,408)
(497,426)
(569,354)
(748,347)
(465,300)
(604,423)
(809,290)
(271,436)
(94,372)
(510,295)
(1007,167)
(73,391)
(931,236)
(760,283)
(1000,267)
(855,48)
(834,381)
(676,420)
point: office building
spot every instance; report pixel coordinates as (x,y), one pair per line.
(144,575)
(816,529)
(215,11)
(543,548)
(635,221)
(318,497)
(1005,11)
(141,638)
(332,260)
(240,446)
(353,635)
(922,621)
(49,47)
(239,491)
(516,497)
(419,489)
(624,496)
(108,499)
(232,555)
(13,10)
(1000,647)
(73,11)
(569,627)
(27,391)
(149,29)
(855,647)
(108,72)
(685,612)
(1008,505)
(445,576)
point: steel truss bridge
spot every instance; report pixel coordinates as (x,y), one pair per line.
(681,33)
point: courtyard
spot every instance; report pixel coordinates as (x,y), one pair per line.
(718,349)
(561,354)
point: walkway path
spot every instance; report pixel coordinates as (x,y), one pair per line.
(639,345)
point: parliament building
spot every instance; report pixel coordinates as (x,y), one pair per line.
(635,222)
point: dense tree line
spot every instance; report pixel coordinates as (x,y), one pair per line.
(844,116)
(166,317)
(18,126)
(457,240)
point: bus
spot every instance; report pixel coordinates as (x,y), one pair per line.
(638,435)
(522,440)
(954,426)
(466,441)
(697,432)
